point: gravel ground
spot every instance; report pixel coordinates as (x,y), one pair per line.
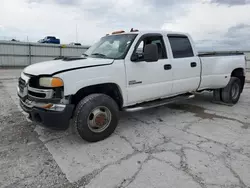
(25,161)
(195,143)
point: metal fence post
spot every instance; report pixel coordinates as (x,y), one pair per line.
(29,53)
(60,50)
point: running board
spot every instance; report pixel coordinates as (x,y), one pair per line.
(156,103)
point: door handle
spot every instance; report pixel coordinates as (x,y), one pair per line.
(193,64)
(167,67)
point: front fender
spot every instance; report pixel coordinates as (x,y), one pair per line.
(81,78)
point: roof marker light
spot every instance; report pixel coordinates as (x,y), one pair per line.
(117,32)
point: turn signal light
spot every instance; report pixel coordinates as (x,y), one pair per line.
(50,82)
(56,82)
(47,106)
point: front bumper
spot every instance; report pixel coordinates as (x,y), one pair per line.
(58,120)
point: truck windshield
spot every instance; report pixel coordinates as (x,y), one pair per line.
(111,47)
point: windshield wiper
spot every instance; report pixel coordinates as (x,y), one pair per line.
(99,54)
(85,55)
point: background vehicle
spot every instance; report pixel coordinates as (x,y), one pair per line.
(125,71)
(50,39)
(75,43)
(14,40)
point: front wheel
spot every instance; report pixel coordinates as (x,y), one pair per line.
(231,93)
(96,117)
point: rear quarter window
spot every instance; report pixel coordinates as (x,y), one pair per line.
(181,46)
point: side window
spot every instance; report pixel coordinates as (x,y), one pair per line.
(139,49)
(157,40)
(181,46)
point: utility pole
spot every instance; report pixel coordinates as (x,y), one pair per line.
(76,34)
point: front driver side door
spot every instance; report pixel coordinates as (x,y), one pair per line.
(148,80)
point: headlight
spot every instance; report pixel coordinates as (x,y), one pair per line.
(50,82)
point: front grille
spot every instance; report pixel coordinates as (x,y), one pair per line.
(40,93)
(29,87)
(21,84)
(35,94)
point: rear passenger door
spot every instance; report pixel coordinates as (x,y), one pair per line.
(185,65)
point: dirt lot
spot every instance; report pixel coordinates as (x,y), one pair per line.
(194,143)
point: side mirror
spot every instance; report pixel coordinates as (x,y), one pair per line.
(137,57)
(151,53)
(134,57)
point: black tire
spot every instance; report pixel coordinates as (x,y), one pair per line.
(83,111)
(228,95)
(217,94)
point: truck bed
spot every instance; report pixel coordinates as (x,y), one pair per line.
(217,68)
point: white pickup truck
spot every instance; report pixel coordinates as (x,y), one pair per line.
(125,71)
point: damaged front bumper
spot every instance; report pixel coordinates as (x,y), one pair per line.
(54,116)
(44,105)
(47,113)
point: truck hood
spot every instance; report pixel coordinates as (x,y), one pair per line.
(56,66)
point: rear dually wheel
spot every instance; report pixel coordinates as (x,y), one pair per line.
(231,93)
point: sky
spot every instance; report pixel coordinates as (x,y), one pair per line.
(213,24)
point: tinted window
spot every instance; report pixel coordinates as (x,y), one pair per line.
(181,46)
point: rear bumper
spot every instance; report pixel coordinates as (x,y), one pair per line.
(58,120)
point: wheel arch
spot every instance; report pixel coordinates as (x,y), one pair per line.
(111,89)
(239,73)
